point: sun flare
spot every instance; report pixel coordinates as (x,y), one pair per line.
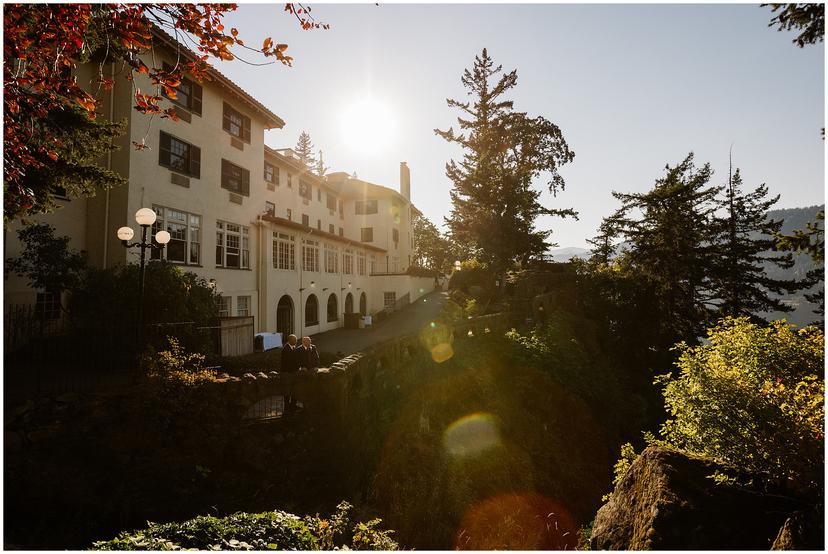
(368,125)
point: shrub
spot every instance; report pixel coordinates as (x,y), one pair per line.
(274,530)
(753,397)
(178,367)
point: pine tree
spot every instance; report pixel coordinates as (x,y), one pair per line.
(494,205)
(811,241)
(745,238)
(321,168)
(670,249)
(304,149)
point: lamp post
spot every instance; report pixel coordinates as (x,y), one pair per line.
(145,217)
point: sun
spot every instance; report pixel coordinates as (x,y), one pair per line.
(368,125)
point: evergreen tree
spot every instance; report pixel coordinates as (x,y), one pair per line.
(494,206)
(431,249)
(321,168)
(304,149)
(745,237)
(670,248)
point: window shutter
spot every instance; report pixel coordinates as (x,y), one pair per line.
(226,118)
(245,182)
(246,129)
(195,99)
(224,171)
(195,161)
(164,150)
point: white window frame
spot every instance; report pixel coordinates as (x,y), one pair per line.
(331,258)
(348,262)
(284,251)
(192,223)
(361,263)
(228,233)
(310,255)
(243,306)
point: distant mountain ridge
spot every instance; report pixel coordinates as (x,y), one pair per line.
(792,219)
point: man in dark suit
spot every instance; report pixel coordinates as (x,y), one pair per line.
(290,356)
(308,355)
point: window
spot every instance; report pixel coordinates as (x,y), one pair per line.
(361,263)
(179,156)
(305,190)
(348,262)
(289,215)
(290,181)
(395,264)
(47,305)
(311,311)
(234,178)
(331,201)
(331,259)
(319,194)
(319,224)
(270,208)
(305,220)
(271,175)
(284,251)
(236,124)
(341,232)
(395,235)
(365,207)
(331,228)
(373,265)
(187,95)
(333,308)
(310,255)
(225,305)
(242,306)
(390,298)
(367,234)
(185,236)
(232,245)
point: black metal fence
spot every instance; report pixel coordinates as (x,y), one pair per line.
(49,356)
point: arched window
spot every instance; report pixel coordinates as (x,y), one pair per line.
(363,304)
(349,303)
(284,316)
(311,311)
(333,308)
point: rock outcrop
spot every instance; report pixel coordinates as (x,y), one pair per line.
(667,501)
(802,531)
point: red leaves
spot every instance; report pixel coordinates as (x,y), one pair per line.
(43,44)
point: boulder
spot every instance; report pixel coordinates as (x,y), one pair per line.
(667,501)
(802,531)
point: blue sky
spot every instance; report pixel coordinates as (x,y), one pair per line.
(633,87)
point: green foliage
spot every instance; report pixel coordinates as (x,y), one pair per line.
(753,397)
(47,261)
(175,303)
(178,367)
(274,530)
(809,19)
(431,249)
(566,347)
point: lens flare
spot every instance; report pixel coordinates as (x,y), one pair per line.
(436,338)
(526,521)
(471,434)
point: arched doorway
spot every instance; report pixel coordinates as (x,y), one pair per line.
(363,304)
(284,316)
(311,311)
(333,309)
(349,303)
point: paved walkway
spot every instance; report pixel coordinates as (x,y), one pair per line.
(407,321)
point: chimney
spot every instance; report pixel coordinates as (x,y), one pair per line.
(405,181)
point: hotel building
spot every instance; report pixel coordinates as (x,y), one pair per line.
(294,250)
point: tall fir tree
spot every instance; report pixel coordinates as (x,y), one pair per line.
(494,206)
(746,237)
(304,149)
(670,246)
